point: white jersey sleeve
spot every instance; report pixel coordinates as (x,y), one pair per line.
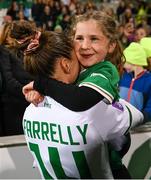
(137,116)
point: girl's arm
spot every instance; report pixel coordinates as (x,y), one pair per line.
(71,96)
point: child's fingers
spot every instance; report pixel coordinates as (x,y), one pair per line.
(27,88)
(29,96)
(34,97)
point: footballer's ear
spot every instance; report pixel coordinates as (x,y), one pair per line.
(65,65)
(112,46)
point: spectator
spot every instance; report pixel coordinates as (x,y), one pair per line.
(120,9)
(56,10)
(24,10)
(127,16)
(146,43)
(36,11)
(46,19)
(126,34)
(21,16)
(135,84)
(13,10)
(14,78)
(140,32)
(64,18)
(65,21)
(141,14)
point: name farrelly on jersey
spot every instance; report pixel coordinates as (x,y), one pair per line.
(67,144)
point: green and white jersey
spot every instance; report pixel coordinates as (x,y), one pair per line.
(67,144)
(102,77)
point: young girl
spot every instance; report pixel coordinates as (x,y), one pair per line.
(94,40)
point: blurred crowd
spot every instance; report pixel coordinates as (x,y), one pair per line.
(133,17)
(133,20)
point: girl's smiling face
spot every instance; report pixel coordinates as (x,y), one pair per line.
(91,45)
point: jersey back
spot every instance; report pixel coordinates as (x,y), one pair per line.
(67,144)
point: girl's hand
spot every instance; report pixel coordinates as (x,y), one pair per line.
(27,88)
(34,97)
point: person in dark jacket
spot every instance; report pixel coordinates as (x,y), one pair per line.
(14,78)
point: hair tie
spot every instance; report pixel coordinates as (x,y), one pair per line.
(34,43)
(21,41)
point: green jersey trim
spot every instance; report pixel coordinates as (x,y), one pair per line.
(130,115)
(99,74)
(100,90)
